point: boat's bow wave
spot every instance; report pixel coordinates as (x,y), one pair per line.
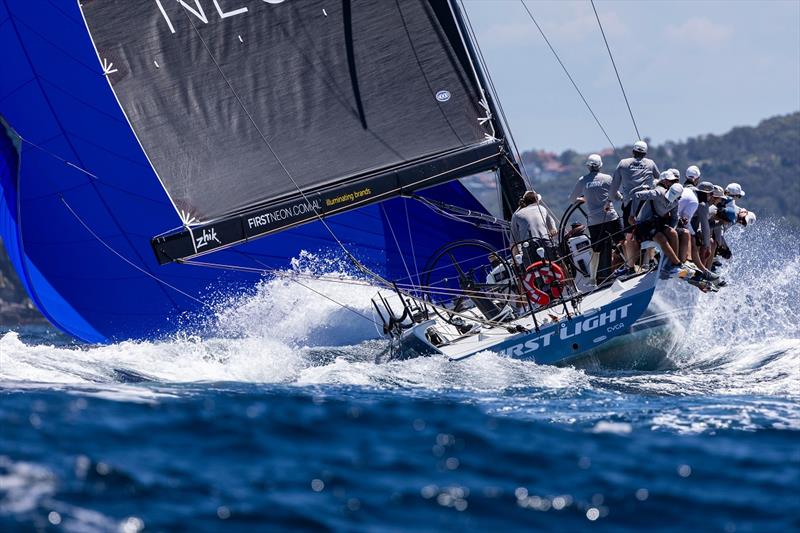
(741,342)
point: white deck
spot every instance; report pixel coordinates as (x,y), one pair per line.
(485,337)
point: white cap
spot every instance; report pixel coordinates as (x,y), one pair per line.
(693,172)
(676,172)
(674,192)
(594,161)
(734,189)
(668,175)
(640,146)
(718,192)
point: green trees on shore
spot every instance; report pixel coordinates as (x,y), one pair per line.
(764,159)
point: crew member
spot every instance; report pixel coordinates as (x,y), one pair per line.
(723,220)
(605,226)
(692,175)
(719,197)
(688,225)
(657,217)
(632,174)
(734,191)
(701,224)
(533,223)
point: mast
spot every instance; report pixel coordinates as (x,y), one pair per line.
(512,186)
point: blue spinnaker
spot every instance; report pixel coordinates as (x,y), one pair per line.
(81,202)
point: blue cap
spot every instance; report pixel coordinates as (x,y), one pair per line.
(729,214)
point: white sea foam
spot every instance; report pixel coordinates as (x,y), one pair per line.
(742,341)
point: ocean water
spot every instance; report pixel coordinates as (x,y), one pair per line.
(282,421)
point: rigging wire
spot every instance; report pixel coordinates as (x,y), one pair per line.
(220,266)
(482,60)
(396,242)
(319,216)
(480,223)
(267,270)
(411,241)
(331,299)
(56,156)
(131,263)
(574,84)
(619,79)
(344,306)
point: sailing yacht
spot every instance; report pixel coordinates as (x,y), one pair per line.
(157,154)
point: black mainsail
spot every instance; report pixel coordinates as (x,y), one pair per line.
(261,115)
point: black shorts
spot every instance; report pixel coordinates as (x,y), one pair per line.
(626,213)
(606,233)
(645,231)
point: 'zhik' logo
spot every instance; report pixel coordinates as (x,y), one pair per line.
(443,96)
(208,236)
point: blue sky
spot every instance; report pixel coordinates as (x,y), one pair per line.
(689,67)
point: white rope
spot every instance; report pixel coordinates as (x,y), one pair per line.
(131,263)
(396,242)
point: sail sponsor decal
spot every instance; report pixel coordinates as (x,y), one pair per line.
(200,239)
(205,11)
(606,322)
(195,240)
(364,192)
(304,209)
(216,235)
(208,236)
(348,197)
(282,215)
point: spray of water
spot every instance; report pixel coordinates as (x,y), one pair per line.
(742,340)
(740,343)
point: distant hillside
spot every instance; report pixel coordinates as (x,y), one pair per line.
(764,159)
(15,306)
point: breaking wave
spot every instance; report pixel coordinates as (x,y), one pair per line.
(742,341)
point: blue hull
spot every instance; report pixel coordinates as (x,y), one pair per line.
(572,339)
(81,241)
